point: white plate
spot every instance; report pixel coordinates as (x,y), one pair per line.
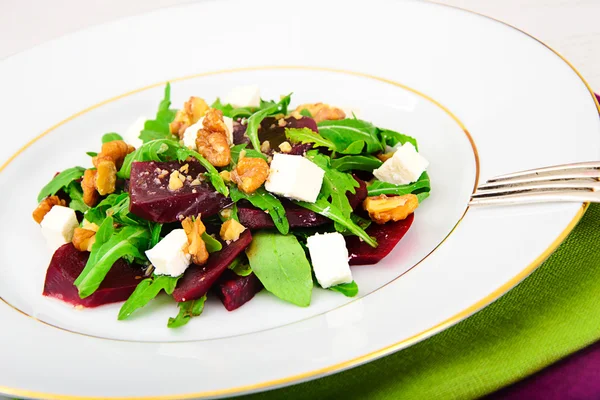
(397,62)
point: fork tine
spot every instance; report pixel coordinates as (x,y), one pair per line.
(578,196)
(575,184)
(589,174)
(593,165)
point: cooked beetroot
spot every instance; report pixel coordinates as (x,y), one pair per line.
(197,280)
(300,149)
(239,133)
(359,195)
(387,235)
(234,291)
(273,132)
(66,265)
(253,218)
(151,198)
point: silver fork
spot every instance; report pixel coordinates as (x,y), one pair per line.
(577,182)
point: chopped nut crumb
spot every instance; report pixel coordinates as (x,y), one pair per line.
(188,178)
(194,191)
(226,213)
(285,147)
(157,181)
(265,147)
(185,168)
(282,122)
(231,230)
(175,182)
(195,182)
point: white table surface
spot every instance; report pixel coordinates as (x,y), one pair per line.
(572,27)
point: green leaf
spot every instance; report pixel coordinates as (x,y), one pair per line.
(155,229)
(356,163)
(211,243)
(422,196)
(75,192)
(255,119)
(326,209)
(237,149)
(145,291)
(378,187)
(91,153)
(130,241)
(266,202)
(158,128)
(229,111)
(111,137)
(347,133)
(392,138)
(281,265)
(215,179)
(240,266)
(306,135)
(347,289)
(187,310)
(305,113)
(60,181)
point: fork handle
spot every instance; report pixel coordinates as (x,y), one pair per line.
(577,196)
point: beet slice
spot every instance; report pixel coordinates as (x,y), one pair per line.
(197,280)
(152,200)
(298,217)
(360,193)
(234,290)
(273,132)
(66,265)
(387,235)
(239,133)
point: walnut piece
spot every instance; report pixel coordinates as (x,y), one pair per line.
(250,173)
(382,208)
(320,112)
(83,239)
(106,177)
(265,146)
(45,206)
(212,139)
(107,162)
(175,182)
(88,185)
(285,147)
(385,156)
(231,230)
(192,111)
(194,229)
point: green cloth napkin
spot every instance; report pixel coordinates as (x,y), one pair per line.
(552,313)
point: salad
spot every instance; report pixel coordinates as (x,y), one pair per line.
(229,198)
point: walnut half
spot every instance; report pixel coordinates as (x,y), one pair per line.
(250,173)
(83,239)
(320,112)
(45,206)
(194,229)
(212,140)
(382,208)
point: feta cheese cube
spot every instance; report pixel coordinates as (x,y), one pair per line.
(132,134)
(329,257)
(243,96)
(58,226)
(295,177)
(168,256)
(404,167)
(191,134)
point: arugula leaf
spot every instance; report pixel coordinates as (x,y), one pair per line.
(326,209)
(60,181)
(392,138)
(116,206)
(347,289)
(169,150)
(356,163)
(347,134)
(187,310)
(240,266)
(110,137)
(378,187)
(145,291)
(155,230)
(158,128)
(75,192)
(237,149)
(280,263)
(255,119)
(211,243)
(232,112)
(105,232)
(422,196)
(335,185)
(306,135)
(305,113)
(130,241)
(266,202)
(97,214)
(91,153)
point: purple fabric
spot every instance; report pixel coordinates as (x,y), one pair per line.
(573,378)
